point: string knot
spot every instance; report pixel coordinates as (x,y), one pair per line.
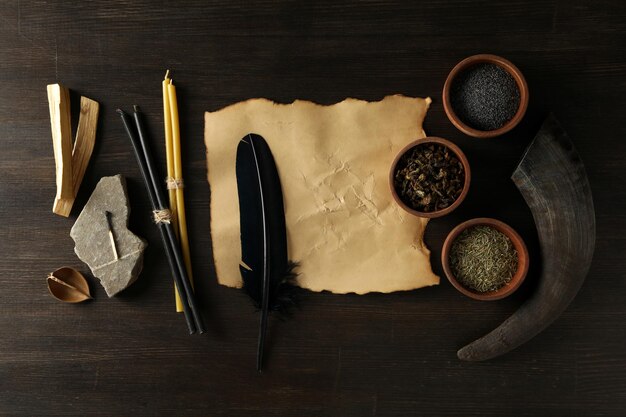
(174,184)
(162,216)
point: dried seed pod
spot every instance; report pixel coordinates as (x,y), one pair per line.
(68,285)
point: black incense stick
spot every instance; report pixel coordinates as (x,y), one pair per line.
(160,200)
(144,172)
(169,249)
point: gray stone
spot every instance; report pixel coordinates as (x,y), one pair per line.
(92,241)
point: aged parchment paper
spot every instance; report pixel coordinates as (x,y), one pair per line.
(343,226)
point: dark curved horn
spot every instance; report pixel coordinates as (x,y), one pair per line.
(553,181)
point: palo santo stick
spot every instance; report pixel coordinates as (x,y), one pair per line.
(169,154)
(83,148)
(178,179)
(85,139)
(60,122)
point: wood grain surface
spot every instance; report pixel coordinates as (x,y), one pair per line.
(339,355)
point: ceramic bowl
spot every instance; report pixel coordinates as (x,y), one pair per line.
(459,154)
(522,259)
(485,59)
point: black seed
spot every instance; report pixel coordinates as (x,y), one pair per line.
(485,96)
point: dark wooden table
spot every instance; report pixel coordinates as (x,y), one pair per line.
(340,355)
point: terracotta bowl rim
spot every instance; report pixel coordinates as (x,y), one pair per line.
(466,168)
(522,256)
(507,66)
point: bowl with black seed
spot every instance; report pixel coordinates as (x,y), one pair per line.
(485,259)
(485,96)
(429,177)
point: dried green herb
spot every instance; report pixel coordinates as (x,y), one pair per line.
(429,177)
(483,258)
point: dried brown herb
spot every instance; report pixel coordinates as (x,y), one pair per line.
(483,258)
(429,177)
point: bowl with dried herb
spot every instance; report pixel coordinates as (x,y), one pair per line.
(485,259)
(429,177)
(485,96)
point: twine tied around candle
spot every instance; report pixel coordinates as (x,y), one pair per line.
(174,184)
(162,216)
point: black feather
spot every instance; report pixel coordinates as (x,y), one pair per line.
(265,268)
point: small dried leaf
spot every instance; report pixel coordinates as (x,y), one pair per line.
(68,285)
(429,177)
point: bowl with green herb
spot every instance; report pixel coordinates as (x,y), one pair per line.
(485,259)
(429,177)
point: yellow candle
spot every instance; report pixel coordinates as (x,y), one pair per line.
(169,153)
(178,176)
